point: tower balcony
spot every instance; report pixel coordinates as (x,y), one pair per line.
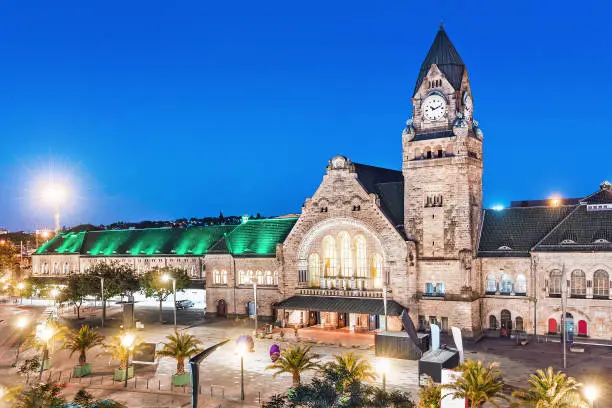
(345,287)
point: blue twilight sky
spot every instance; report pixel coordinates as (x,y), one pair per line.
(159,110)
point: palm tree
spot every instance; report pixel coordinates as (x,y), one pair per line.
(479,384)
(353,368)
(295,360)
(430,395)
(548,389)
(82,340)
(118,351)
(180,346)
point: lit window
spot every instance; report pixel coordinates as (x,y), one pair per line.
(506,285)
(241,278)
(346,254)
(260,277)
(250,277)
(520,286)
(329,256)
(555,282)
(66,270)
(377,270)
(361,257)
(268,278)
(434,289)
(314,269)
(275,278)
(224,277)
(217,277)
(578,283)
(601,284)
(491,284)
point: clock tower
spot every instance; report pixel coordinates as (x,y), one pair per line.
(442,161)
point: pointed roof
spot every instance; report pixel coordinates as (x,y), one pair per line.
(445,56)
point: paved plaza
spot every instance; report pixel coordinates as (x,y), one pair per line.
(220,373)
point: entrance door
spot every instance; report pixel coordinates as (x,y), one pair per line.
(506,320)
(582,327)
(552,326)
(373,323)
(342,320)
(313,318)
(221,308)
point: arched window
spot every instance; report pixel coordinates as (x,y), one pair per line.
(361,257)
(217,277)
(601,284)
(555,282)
(491,284)
(275,278)
(192,270)
(241,278)
(346,254)
(260,277)
(492,322)
(223,277)
(66,269)
(519,323)
(55,268)
(329,256)
(268,278)
(377,270)
(314,269)
(578,283)
(417,154)
(428,153)
(520,286)
(44,269)
(439,152)
(250,277)
(506,285)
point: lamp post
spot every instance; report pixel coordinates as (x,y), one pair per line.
(382,366)
(128,342)
(20,286)
(242,349)
(21,324)
(54,292)
(591,393)
(255,302)
(45,334)
(166,278)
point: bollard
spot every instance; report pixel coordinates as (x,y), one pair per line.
(147,383)
(90,380)
(134,382)
(59,379)
(159,385)
(70,378)
(211,392)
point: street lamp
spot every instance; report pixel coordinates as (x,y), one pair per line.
(127,341)
(21,323)
(242,350)
(20,286)
(54,292)
(166,278)
(45,334)
(591,393)
(382,366)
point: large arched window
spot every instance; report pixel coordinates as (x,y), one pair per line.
(601,284)
(361,257)
(377,270)
(491,284)
(224,277)
(268,280)
(519,324)
(314,269)
(241,277)
(555,282)
(520,286)
(66,269)
(506,285)
(578,283)
(329,256)
(260,277)
(275,278)
(55,268)
(217,277)
(44,269)
(506,319)
(346,254)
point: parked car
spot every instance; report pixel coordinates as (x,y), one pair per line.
(184,304)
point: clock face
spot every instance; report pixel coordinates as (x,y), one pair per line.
(434,107)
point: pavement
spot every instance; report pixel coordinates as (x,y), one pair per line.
(220,372)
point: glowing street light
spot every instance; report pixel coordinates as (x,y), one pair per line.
(45,334)
(382,367)
(127,341)
(166,278)
(591,393)
(21,323)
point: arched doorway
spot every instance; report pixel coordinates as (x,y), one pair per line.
(506,320)
(221,308)
(552,326)
(492,322)
(519,324)
(582,328)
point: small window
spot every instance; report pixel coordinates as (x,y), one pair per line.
(428,154)
(440,153)
(568,242)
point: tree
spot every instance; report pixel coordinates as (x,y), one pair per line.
(479,384)
(179,347)
(81,341)
(549,389)
(430,395)
(8,256)
(119,280)
(78,286)
(117,351)
(352,368)
(154,286)
(295,361)
(83,399)
(42,396)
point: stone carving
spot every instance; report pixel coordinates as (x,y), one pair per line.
(465,257)
(605,185)
(409,131)
(460,126)
(477,130)
(338,162)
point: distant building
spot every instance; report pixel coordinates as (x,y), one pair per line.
(3,231)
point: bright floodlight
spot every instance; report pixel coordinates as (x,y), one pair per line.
(128,340)
(591,392)
(498,207)
(20,286)
(46,333)
(54,292)
(242,349)
(382,366)
(21,322)
(54,193)
(165,277)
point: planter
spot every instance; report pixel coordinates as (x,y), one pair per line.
(81,370)
(181,380)
(120,374)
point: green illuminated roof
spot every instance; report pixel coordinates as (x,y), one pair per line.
(256,237)
(63,243)
(153,241)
